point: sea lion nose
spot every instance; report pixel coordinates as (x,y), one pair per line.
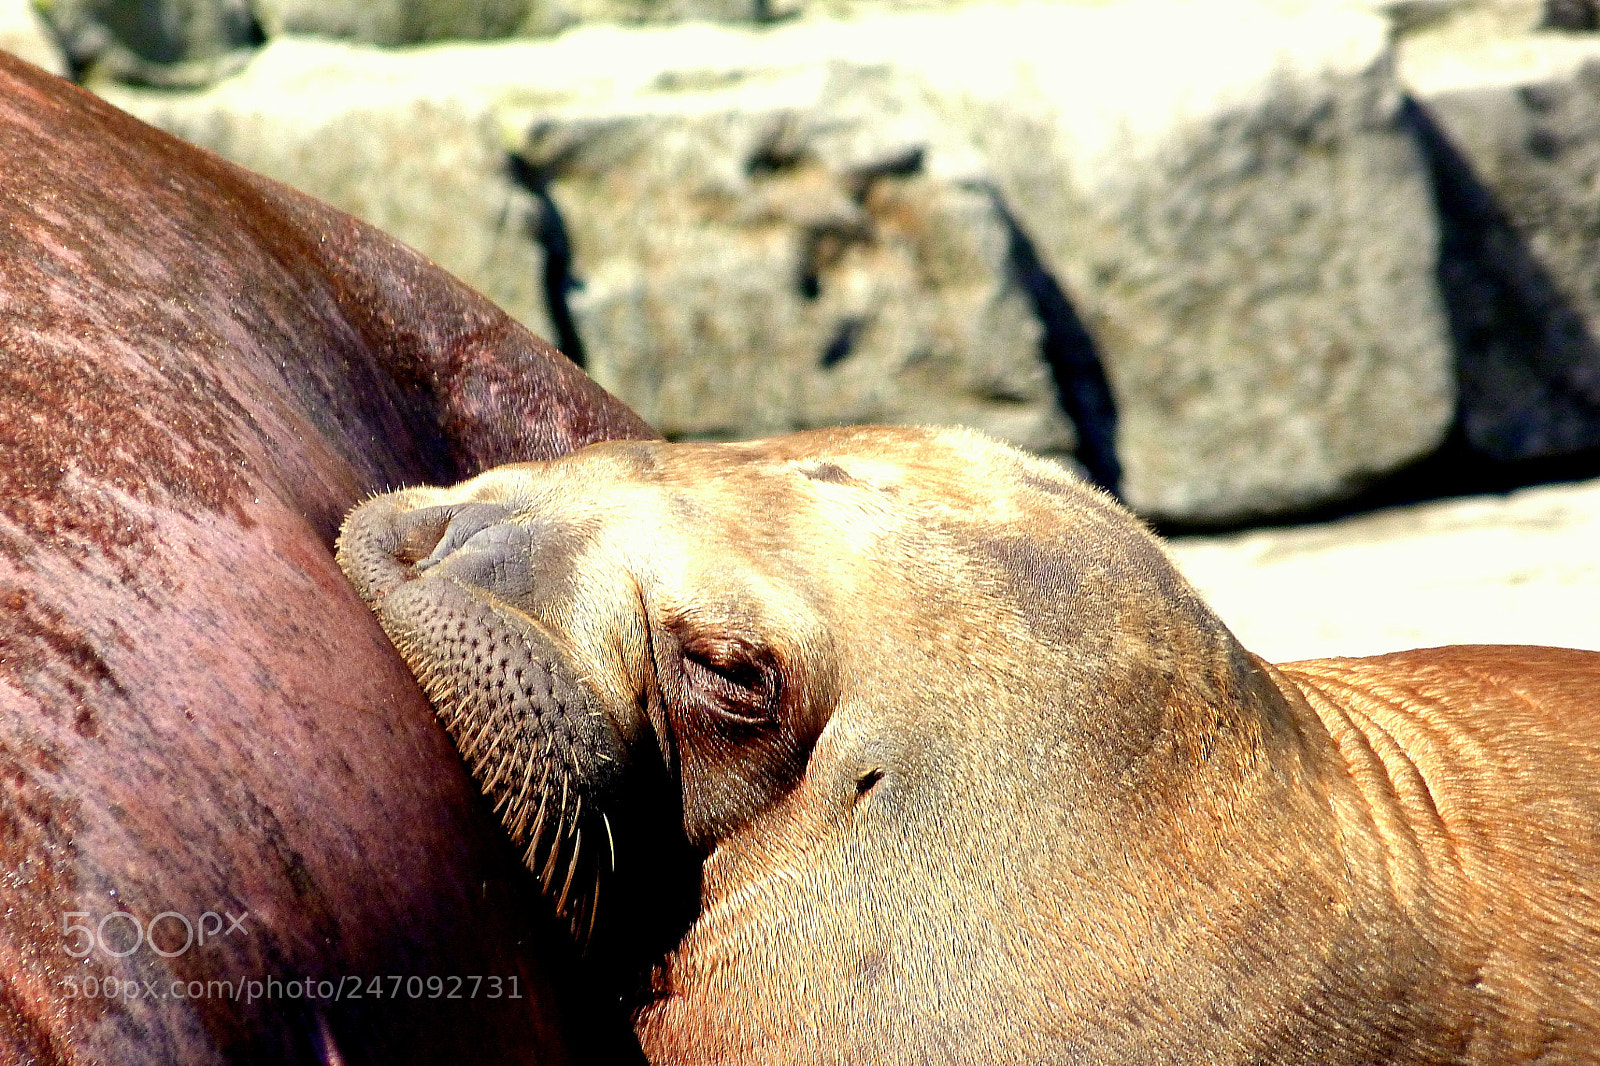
(492,557)
(482,524)
(380,540)
(385,543)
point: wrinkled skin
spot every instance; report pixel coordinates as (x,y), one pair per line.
(972,775)
(200,372)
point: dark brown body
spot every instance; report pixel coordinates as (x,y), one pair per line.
(200,371)
(976,778)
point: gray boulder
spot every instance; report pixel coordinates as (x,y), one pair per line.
(898,216)
(406,142)
(170,43)
(403,22)
(1232,195)
(1513,120)
(395,22)
(787,249)
(794,251)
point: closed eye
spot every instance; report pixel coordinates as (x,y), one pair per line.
(737,676)
(734,683)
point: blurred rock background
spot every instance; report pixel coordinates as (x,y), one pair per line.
(1243,261)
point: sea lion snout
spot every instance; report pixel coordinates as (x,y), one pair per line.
(456,586)
(474,527)
(391,539)
(375,548)
(478,545)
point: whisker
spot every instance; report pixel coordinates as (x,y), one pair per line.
(594,908)
(572,868)
(522,802)
(544,796)
(561,826)
(555,841)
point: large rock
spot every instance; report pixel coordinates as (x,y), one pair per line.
(395,22)
(1231,193)
(1520,569)
(794,251)
(873,218)
(796,247)
(169,43)
(405,141)
(1513,118)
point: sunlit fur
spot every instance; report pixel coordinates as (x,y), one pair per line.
(1026,799)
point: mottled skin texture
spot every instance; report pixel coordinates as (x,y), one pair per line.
(200,372)
(974,776)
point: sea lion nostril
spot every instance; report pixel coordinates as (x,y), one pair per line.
(496,560)
(406,535)
(461,523)
(378,543)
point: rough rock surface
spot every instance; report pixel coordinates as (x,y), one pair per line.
(754,259)
(1250,240)
(796,253)
(404,141)
(1518,569)
(169,43)
(394,22)
(1514,118)
(1232,195)
(389,23)
(897,216)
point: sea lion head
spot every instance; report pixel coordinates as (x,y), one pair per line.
(954,754)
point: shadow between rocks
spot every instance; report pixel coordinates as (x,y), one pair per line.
(1070,352)
(549,229)
(1067,348)
(1527,367)
(1454,469)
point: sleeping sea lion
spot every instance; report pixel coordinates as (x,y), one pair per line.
(966,772)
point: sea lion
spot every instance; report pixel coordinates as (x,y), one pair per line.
(230,828)
(971,775)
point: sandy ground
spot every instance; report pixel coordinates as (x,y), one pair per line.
(1518,569)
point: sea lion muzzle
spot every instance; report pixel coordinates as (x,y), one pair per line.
(449,584)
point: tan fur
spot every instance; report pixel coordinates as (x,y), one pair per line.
(1021,797)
